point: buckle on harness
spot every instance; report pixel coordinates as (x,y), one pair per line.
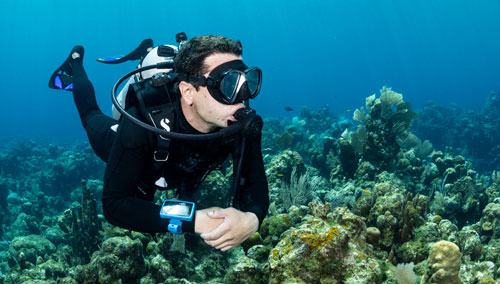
(160,156)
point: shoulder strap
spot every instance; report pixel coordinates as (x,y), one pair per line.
(156,109)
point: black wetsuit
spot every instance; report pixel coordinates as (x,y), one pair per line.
(131,173)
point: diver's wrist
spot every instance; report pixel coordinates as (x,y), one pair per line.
(253,221)
(188,227)
(197,222)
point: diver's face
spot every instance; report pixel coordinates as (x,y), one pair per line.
(210,111)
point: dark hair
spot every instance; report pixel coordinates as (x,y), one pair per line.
(191,57)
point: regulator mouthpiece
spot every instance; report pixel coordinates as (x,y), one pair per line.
(251,121)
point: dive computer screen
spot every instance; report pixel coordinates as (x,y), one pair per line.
(177,209)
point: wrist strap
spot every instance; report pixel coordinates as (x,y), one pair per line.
(175,226)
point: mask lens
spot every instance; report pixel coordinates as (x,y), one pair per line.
(254,77)
(229,83)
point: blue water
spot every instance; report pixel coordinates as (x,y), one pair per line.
(311,52)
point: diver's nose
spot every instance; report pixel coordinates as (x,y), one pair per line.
(241,81)
(244,92)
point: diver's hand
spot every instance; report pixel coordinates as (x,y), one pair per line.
(203,223)
(235,229)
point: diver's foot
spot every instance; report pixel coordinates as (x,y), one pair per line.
(77,53)
(62,78)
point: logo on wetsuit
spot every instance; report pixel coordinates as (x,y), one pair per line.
(164,123)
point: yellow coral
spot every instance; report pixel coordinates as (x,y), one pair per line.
(437,219)
(487,280)
(318,241)
(362,256)
(276,254)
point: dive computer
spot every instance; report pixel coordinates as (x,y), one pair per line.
(177,211)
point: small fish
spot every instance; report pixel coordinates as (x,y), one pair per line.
(280,175)
(287,108)
(347,110)
(366,191)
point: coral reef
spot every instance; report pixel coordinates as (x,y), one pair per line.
(361,201)
(300,190)
(247,270)
(473,135)
(375,141)
(328,249)
(284,140)
(462,201)
(82,227)
(120,258)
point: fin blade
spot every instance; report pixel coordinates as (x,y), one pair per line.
(112,60)
(138,53)
(69,87)
(58,82)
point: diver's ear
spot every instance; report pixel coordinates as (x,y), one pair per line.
(187,92)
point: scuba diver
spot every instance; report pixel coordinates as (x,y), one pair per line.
(173,128)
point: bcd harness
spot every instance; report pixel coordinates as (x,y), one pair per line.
(156,103)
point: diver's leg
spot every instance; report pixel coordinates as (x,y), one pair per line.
(96,124)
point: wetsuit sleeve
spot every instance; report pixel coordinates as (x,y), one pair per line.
(254,195)
(123,204)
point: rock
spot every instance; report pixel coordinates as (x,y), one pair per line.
(324,250)
(247,270)
(119,259)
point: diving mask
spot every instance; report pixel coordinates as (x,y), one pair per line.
(229,83)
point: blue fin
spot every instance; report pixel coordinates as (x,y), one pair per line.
(61,79)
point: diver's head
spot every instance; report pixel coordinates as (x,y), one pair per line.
(200,108)
(230,82)
(214,81)
(191,57)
